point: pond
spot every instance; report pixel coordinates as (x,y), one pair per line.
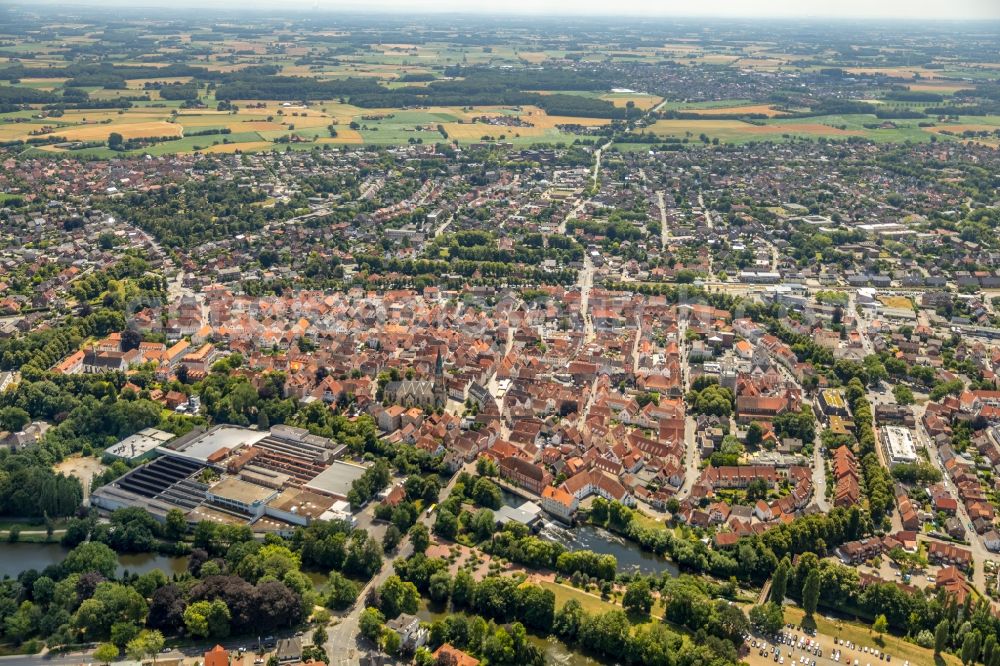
(18,557)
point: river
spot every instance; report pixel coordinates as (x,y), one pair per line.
(631,558)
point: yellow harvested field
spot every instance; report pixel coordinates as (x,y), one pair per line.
(475,131)
(765,109)
(959,128)
(539,118)
(246,146)
(552,121)
(718,59)
(255,126)
(298,70)
(761,63)
(943,87)
(643,102)
(256,47)
(12,131)
(187,113)
(681,48)
(127,130)
(343,136)
(534,57)
(900,302)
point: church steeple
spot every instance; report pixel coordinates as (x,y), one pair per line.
(440,387)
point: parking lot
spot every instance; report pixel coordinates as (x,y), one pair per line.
(795,646)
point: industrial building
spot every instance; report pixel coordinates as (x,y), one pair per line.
(336,480)
(159,486)
(141,446)
(273,480)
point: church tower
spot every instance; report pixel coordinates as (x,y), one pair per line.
(440,387)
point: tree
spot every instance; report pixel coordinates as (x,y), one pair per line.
(146,643)
(398,596)
(439,586)
(176,524)
(106,653)
(768,617)
(481,524)
(342,591)
(420,537)
(446,525)
(462,588)
(903,394)
(370,623)
(810,592)
(131,339)
(970,647)
(779,582)
(757,489)
(390,642)
(14,419)
(941,637)
(880,625)
(91,556)
(115,141)
(486,493)
(536,607)
(989,646)
(208,618)
(166,609)
(638,599)
(319,636)
(391,538)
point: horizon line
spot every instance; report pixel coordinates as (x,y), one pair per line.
(356,9)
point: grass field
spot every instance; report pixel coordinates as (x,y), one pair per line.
(831,127)
(737,131)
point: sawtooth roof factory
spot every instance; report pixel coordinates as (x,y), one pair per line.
(272,480)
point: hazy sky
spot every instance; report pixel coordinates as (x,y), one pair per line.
(941,9)
(904,9)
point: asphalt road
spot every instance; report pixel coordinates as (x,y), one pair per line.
(344,646)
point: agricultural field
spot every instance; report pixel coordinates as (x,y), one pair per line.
(203,89)
(837,127)
(261,125)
